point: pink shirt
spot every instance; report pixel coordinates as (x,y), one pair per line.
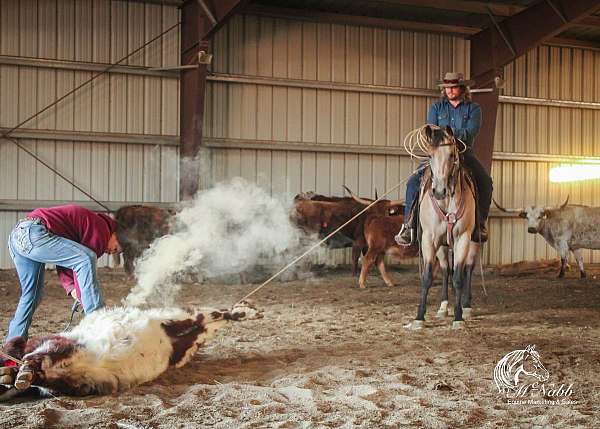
(93,230)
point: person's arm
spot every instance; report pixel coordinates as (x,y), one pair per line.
(471,127)
(432,115)
(68,281)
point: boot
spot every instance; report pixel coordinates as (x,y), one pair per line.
(406,235)
(480,233)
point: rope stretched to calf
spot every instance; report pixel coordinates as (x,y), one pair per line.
(274,276)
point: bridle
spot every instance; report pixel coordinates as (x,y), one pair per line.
(445,216)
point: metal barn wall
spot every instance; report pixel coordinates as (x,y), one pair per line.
(282,84)
(354,119)
(554,73)
(48,48)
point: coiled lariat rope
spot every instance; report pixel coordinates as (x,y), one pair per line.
(417,144)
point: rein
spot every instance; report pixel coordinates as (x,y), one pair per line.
(450,217)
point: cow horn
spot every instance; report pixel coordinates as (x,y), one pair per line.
(522,213)
(546,209)
(566,202)
(357,199)
(507,210)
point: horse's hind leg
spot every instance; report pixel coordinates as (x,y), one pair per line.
(442,255)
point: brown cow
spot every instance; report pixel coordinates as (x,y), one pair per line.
(323,215)
(137,227)
(379,232)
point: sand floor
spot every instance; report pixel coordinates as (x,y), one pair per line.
(327,354)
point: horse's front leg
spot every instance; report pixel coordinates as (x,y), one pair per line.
(461,249)
(428,251)
(442,256)
(469,267)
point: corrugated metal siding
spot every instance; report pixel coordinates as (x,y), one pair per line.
(554,73)
(98,31)
(280,48)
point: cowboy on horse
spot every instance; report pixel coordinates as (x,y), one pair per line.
(463,116)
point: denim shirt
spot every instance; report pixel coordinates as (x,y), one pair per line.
(464,119)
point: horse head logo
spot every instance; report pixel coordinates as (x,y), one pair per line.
(516,364)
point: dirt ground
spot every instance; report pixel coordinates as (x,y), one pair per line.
(327,354)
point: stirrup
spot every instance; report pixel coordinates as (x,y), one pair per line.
(406,236)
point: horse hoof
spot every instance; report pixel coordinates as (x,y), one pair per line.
(467,313)
(458,324)
(415,325)
(23,380)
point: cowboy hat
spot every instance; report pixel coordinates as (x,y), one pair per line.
(452,79)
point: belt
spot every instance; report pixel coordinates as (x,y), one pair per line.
(34,220)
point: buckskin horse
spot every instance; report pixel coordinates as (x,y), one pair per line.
(447,218)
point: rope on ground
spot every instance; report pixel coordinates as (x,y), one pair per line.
(6,135)
(274,276)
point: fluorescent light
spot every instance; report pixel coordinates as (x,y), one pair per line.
(586,170)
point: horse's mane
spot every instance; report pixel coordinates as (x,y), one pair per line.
(504,371)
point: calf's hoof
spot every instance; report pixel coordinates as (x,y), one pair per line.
(415,325)
(23,379)
(467,313)
(458,324)
(7,374)
(583,275)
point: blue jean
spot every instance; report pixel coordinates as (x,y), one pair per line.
(32,246)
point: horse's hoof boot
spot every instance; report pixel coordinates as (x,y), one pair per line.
(415,325)
(458,324)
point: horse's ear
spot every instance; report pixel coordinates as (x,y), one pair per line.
(449,131)
(429,132)
(530,348)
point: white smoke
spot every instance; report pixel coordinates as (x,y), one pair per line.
(226,230)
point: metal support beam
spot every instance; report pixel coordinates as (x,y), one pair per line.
(494,47)
(200,19)
(484,145)
(193,84)
(525,30)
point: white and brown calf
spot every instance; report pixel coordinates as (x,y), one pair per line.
(113,350)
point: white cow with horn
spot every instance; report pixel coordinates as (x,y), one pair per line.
(565,228)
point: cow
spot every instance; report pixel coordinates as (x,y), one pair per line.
(112,350)
(565,228)
(323,215)
(137,227)
(379,229)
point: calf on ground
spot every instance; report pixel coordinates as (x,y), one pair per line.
(112,350)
